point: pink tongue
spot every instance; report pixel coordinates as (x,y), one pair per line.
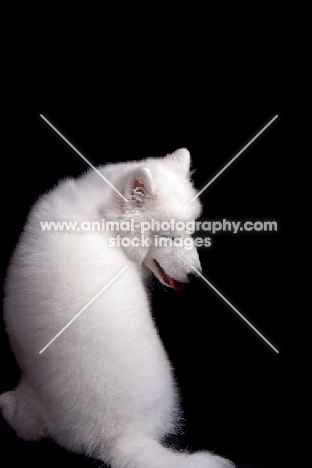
(177,286)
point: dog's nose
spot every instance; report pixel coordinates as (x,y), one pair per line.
(193,274)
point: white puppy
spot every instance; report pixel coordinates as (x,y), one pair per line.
(104,387)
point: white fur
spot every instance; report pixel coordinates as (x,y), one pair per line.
(105,386)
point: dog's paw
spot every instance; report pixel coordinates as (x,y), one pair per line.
(26,422)
(7,406)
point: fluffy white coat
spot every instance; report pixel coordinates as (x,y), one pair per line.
(105,386)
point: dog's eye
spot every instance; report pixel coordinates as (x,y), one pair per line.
(166,235)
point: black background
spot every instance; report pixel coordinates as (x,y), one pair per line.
(241,399)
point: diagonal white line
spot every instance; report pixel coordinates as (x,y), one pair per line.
(235,309)
(238,154)
(84,308)
(84,158)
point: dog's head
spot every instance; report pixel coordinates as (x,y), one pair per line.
(159,194)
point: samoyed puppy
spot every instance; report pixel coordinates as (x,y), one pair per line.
(104,386)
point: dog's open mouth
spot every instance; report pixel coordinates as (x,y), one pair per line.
(177,285)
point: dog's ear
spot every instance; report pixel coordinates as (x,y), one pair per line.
(183,158)
(139,186)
